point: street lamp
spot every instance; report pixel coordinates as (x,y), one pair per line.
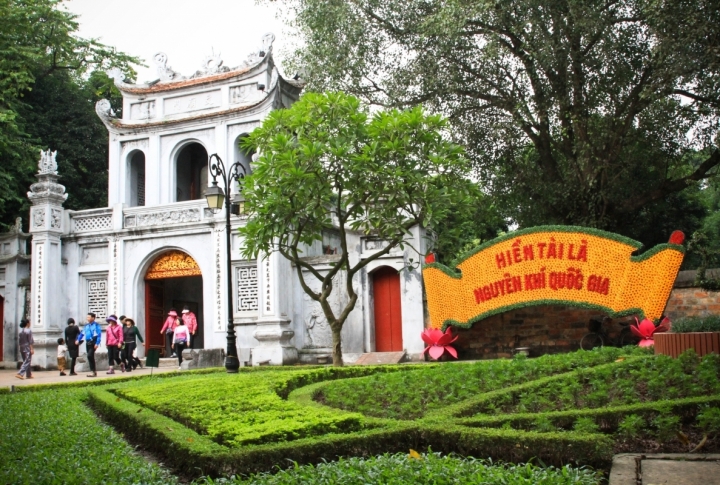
(215,196)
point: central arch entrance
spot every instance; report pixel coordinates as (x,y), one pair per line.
(173,280)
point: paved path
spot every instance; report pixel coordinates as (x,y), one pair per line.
(665,469)
(7,377)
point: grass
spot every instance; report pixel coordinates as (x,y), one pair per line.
(427,469)
(410,395)
(51,437)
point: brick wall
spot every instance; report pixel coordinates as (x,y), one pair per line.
(551,329)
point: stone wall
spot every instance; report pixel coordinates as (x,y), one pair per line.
(551,329)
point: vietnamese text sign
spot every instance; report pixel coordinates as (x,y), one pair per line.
(553,265)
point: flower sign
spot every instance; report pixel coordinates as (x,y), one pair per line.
(553,265)
(438,342)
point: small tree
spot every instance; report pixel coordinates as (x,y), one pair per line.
(327,164)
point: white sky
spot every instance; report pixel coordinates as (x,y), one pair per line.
(186,30)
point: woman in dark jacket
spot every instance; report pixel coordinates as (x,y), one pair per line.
(72,333)
(130,334)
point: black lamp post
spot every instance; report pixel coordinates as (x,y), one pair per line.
(215,196)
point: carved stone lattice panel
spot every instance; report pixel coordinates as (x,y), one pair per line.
(97,296)
(173,264)
(247,288)
(92,223)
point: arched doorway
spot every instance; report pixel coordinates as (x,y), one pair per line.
(387,310)
(173,280)
(191,175)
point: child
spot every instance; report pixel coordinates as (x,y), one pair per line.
(62,349)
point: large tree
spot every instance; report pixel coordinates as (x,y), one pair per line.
(572,111)
(47,95)
(326,164)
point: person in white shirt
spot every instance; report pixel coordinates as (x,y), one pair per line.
(181,338)
(62,349)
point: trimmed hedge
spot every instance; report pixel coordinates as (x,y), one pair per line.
(709,323)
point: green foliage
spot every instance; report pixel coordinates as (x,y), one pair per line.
(43,61)
(631,426)
(326,164)
(409,395)
(667,426)
(430,469)
(709,420)
(630,382)
(709,323)
(52,437)
(586,425)
(594,116)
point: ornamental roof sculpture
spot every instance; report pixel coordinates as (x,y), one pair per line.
(47,163)
(174,98)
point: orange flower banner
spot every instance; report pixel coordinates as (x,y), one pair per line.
(554,265)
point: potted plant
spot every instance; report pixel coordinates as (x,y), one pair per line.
(699,333)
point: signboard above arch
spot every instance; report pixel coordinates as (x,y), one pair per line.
(553,265)
(173,264)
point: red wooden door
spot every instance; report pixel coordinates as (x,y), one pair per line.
(388,314)
(2,325)
(154,315)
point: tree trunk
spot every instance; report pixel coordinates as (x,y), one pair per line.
(337,345)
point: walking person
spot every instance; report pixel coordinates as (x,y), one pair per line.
(27,349)
(181,338)
(168,329)
(72,340)
(130,336)
(61,352)
(114,342)
(191,323)
(91,334)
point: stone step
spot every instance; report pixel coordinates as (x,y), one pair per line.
(380,358)
(164,362)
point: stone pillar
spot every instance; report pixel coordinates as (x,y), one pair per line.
(46,221)
(14,272)
(273,329)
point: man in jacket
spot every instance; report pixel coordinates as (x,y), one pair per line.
(190,320)
(92,334)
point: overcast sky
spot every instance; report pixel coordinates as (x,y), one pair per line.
(186,30)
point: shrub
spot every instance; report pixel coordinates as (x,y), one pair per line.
(51,437)
(586,425)
(430,469)
(667,426)
(709,420)
(631,426)
(710,323)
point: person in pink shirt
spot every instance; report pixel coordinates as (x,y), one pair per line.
(114,342)
(168,330)
(188,317)
(181,337)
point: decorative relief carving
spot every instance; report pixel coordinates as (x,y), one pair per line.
(317,330)
(142,111)
(247,287)
(241,93)
(47,163)
(38,218)
(55,218)
(132,144)
(164,218)
(192,102)
(104,110)
(173,264)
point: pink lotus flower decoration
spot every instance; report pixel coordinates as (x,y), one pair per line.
(438,342)
(646,329)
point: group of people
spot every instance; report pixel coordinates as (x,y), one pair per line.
(179,332)
(121,342)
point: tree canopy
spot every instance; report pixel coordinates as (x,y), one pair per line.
(49,81)
(326,164)
(572,111)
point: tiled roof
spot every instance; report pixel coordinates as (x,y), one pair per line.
(171,86)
